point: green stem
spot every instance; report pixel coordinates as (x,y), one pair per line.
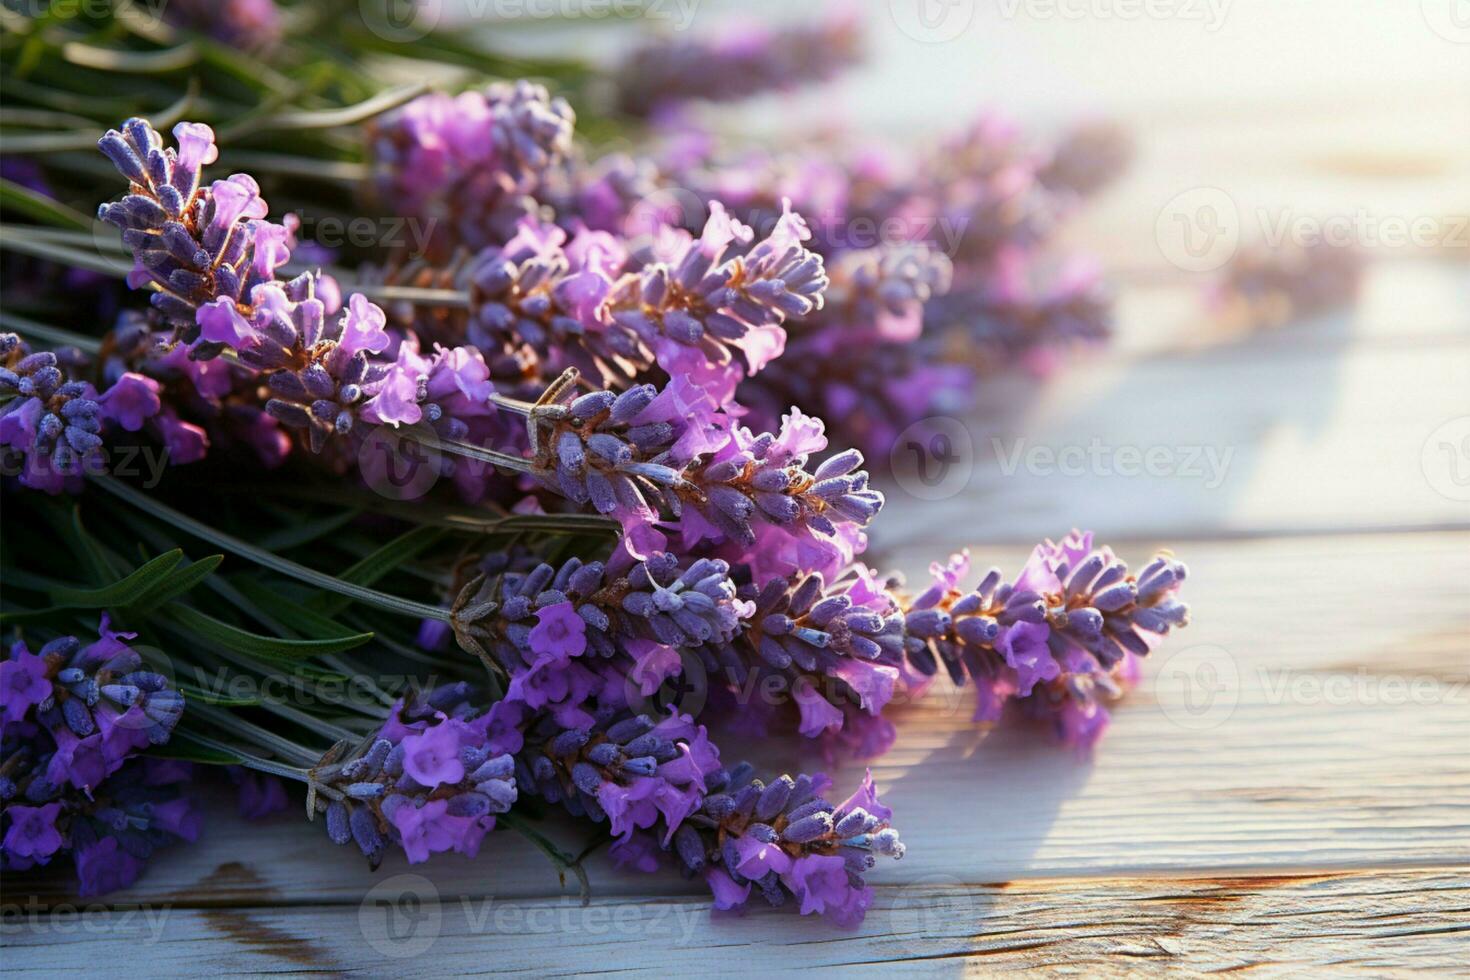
(49,335)
(367,596)
(230,722)
(412,294)
(559,859)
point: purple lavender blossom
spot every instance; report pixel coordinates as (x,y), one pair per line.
(205,249)
(433,779)
(470,164)
(110,828)
(536,623)
(50,422)
(842,643)
(743,61)
(693,308)
(644,454)
(635,773)
(785,841)
(1059,635)
(98,702)
(250,25)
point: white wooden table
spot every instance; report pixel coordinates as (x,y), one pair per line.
(1314,816)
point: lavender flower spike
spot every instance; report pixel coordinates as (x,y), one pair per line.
(203,249)
(430,781)
(738,65)
(785,840)
(52,422)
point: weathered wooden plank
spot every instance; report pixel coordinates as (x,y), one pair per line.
(1337,741)
(1366,922)
(1262,437)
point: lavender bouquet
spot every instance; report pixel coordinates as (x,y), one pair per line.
(533,518)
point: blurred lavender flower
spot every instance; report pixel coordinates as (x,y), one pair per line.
(470,165)
(1009,322)
(251,25)
(1272,286)
(1087,158)
(743,61)
(109,831)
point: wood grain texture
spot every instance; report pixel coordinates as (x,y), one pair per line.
(1266,435)
(1370,923)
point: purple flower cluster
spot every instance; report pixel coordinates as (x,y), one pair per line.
(539,624)
(214,260)
(1061,638)
(110,833)
(941,268)
(74,719)
(51,422)
(700,311)
(782,840)
(433,779)
(251,25)
(635,773)
(741,62)
(203,248)
(471,165)
(671,461)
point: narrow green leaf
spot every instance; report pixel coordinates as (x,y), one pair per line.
(329,118)
(182,521)
(123,592)
(40,207)
(177,584)
(188,748)
(372,568)
(195,693)
(130,62)
(255,645)
(298,617)
(295,535)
